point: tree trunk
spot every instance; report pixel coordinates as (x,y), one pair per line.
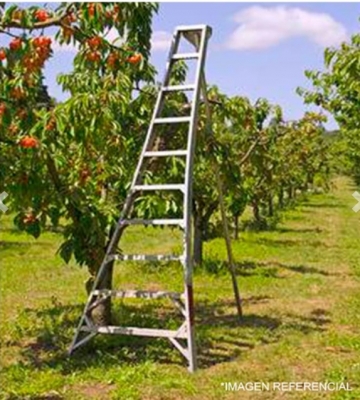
(281,198)
(101,315)
(198,239)
(201,219)
(271,206)
(236,223)
(291,193)
(256,212)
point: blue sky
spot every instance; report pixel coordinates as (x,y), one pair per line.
(257,49)
(276,69)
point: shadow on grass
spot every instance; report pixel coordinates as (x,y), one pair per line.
(243,268)
(45,335)
(297,230)
(266,269)
(301,269)
(324,205)
(290,243)
(10,244)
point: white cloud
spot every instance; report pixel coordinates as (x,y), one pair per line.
(262,27)
(160,41)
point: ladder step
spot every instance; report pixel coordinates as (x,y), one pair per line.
(185,56)
(128,330)
(145,257)
(174,186)
(165,153)
(135,294)
(153,222)
(178,88)
(172,120)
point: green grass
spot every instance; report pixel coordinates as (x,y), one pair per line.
(301,290)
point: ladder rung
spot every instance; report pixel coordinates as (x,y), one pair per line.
(135,294)
(153,222)
(145,257)
(174,186)
(128,330)
(178,88)
(166,153)
(185,56)
(172,120)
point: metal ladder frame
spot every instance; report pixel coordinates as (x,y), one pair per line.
(185,300)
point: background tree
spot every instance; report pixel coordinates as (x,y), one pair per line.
(337,90)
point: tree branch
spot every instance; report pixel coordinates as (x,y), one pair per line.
(248,153)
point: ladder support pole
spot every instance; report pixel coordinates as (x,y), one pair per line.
(232,268)
(231,263)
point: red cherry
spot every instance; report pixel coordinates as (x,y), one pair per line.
(94,56)
(2,55)
(135,59)
(111,60)
(41,15)
(91,9)
(28,142)
(41,41)
(2,109)
(16,44)
(94,42)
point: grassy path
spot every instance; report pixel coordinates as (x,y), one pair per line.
(301,292)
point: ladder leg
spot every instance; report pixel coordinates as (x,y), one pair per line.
(189,308)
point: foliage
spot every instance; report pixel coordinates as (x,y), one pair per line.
(72,162)
(337,89)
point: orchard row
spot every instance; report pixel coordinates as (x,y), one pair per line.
(73,161)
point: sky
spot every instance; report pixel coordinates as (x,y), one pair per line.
(256,50)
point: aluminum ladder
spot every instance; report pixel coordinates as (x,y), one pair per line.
(197,36)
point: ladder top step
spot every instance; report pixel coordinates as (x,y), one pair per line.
(200,27)
(128,330)
(173,186)
(145,257)
(166,153)
(179,222)
(135,294)
(178,88)
(172,120)
(186,56)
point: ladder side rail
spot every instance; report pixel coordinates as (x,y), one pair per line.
(191,150)
(188,262)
